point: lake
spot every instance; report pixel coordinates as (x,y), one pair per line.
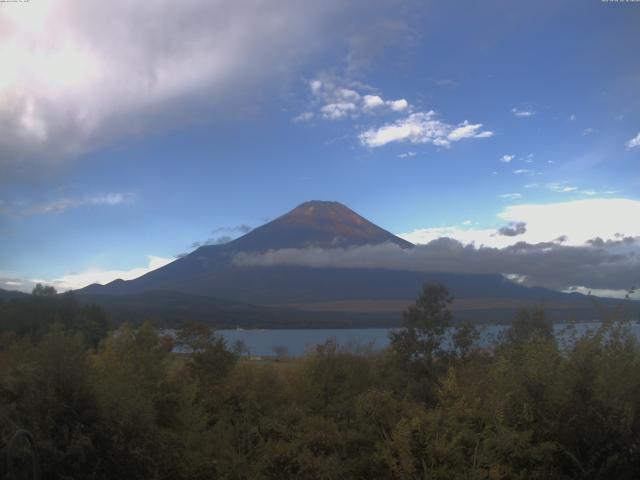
(299,341)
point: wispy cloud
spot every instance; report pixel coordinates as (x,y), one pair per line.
(561,187)
(422,127)
(63,204)
(507,158)
(634,142)
(566,187)
(337,99)
(334,111)
(222,235)
(522,113)
(304,117)
(511,196)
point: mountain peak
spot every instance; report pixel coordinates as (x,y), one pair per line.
(321,209)
(320,204)
(317,223)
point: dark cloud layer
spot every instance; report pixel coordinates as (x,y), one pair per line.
(513,229)
(614,266)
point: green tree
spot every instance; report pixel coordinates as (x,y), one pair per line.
(210,361)
(528,323)
(43,291)
(48,391)
(464,338)
(419,341)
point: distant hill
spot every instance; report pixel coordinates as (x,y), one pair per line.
(207,281)
(11,294)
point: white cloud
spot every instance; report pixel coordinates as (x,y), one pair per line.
(421,127)
(467,130)
(74,281)
(507,158)
(465,234)
(588,131)
(315,86)
(407,154)
(510,195)
(79,75)
(634,142)
(572,117)
(304,117)
(398,105)
(521,171)
(332,94)
(334,111)
(578,220)
(485,134)
(522,113)
(348,95)
(372,101)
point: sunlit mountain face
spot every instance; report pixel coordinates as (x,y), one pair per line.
(317,224)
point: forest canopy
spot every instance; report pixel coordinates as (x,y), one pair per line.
(120,403)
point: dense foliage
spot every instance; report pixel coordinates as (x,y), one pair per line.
(124,406)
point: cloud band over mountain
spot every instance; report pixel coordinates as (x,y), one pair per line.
(613,265)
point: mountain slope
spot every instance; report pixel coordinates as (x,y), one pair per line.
(210,272)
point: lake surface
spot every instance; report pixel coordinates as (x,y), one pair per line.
(300,341)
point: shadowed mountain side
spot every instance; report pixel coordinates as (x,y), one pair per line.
(172,309)
(216,277)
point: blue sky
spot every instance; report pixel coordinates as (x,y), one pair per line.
(129,133)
